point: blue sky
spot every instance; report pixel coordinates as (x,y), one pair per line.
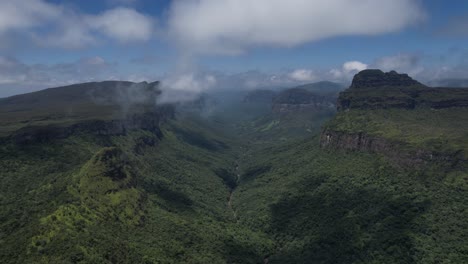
(55,42)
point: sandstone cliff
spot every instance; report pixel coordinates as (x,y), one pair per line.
(368,108)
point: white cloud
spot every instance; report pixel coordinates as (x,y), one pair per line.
(347,71)
(190,82)
(303,75)
(70,33)
(58,26)
(185,86)
(354,66)
(24,14)
(123,24)
(231,26)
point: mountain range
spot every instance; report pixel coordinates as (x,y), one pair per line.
(104,173)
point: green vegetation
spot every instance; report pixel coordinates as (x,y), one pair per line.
(65,106)
(283,127)
(441,130)
(324,206)
(239,186)
(158,203)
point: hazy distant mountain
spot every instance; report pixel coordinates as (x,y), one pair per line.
(324,87)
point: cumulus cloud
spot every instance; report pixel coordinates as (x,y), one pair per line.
(123,24)
(303,75)
(231,26)
(354,66)
(190,82)
(198,26)
(71,33)
(347,71)
(58,26)
(24,14)
(185,86)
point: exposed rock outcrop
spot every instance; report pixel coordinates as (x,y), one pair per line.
(149,121)
(396,152)
(374,89)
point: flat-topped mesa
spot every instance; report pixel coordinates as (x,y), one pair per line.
(100,108)
(385,113)
(374,89)
(378,78)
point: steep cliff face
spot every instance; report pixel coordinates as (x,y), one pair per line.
(149,121)
(99,108)
(397,152)
(370,118)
